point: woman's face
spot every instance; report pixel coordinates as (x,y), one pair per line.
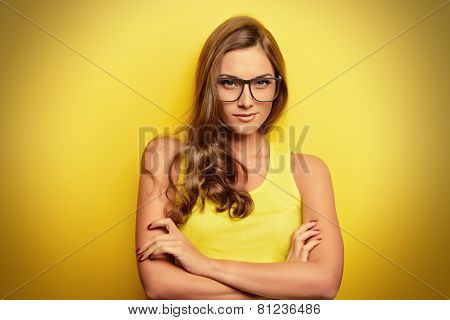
(247,63)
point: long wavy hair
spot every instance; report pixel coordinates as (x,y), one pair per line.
(210,170)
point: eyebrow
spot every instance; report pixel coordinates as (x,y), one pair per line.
(260,76)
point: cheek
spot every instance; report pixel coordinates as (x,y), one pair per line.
(226,114)
(264,113)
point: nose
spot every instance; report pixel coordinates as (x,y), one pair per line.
(246,99)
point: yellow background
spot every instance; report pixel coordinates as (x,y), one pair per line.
(80,80)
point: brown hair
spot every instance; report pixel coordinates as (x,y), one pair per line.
(210,168)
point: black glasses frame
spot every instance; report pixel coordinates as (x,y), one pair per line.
(244,82)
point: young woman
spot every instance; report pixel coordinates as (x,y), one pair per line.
(219,208)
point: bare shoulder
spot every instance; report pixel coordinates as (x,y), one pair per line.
(310,172)
(165,144)
(307,164)
(159,154)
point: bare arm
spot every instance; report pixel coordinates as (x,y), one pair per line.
(320,277)
(164,280)
(285,280)
(161,278)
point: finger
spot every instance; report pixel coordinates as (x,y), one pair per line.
(161,249)
(160,244)
(296,248)
(153,255)
(305,227)
(311,244)
(144,255)
(304,255)
(308,234)
(289,256)
(164,222)
(298,241)
(153,239)
(165,249)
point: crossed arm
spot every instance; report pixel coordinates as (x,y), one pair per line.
(316,279)
(225,279)
(238,280)
(162,279)
(319,278)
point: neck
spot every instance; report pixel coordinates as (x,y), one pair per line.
(247,146)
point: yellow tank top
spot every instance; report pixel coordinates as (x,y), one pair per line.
(265,235)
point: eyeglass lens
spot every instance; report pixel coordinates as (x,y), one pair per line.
(262,89)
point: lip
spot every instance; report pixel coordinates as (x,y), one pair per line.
(245,117)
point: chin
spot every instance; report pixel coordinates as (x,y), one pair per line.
(244,130)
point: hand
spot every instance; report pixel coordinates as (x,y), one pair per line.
(299,251)
(175,244)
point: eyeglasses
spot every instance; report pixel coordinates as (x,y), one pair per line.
(262,89)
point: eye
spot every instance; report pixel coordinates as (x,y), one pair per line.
(262,83)
(227,83)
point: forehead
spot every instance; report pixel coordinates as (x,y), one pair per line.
(246,63)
